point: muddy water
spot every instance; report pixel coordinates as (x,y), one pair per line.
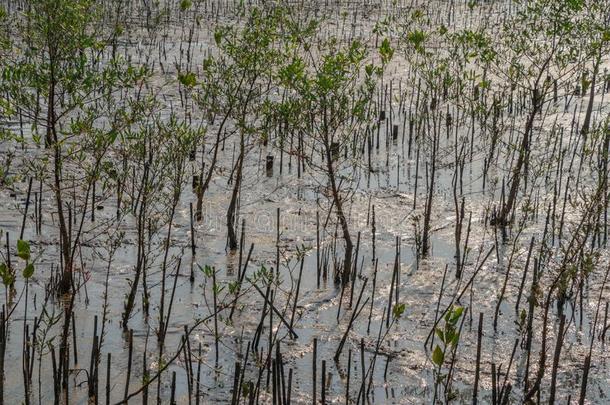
(403,370)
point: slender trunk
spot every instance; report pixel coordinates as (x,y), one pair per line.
(507,208)
(65,284)
(428,209)
(587,121)
(233,204)
(349,247)
(204,184)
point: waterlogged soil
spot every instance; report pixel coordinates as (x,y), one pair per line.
(404,372)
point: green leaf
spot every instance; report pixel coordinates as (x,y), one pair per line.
(440,335)
(217,288)
(187,79)
(7,278)
(233,287)
(112,135)
(185,5)
(456,313)
(207,270)
(28,271)
(23,249)
(449,333)
(385,51)
(438,357)
(575,5)
(398,310)
(218,37)
(417,39)
(456,338)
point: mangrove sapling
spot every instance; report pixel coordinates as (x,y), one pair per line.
(449,337)
(151,152)
(573,250)
(596,25)
(334,98)
(537,43)
(180,140)
(217,95)
(425,247)
(433,69)
(150,172)
(251,56)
